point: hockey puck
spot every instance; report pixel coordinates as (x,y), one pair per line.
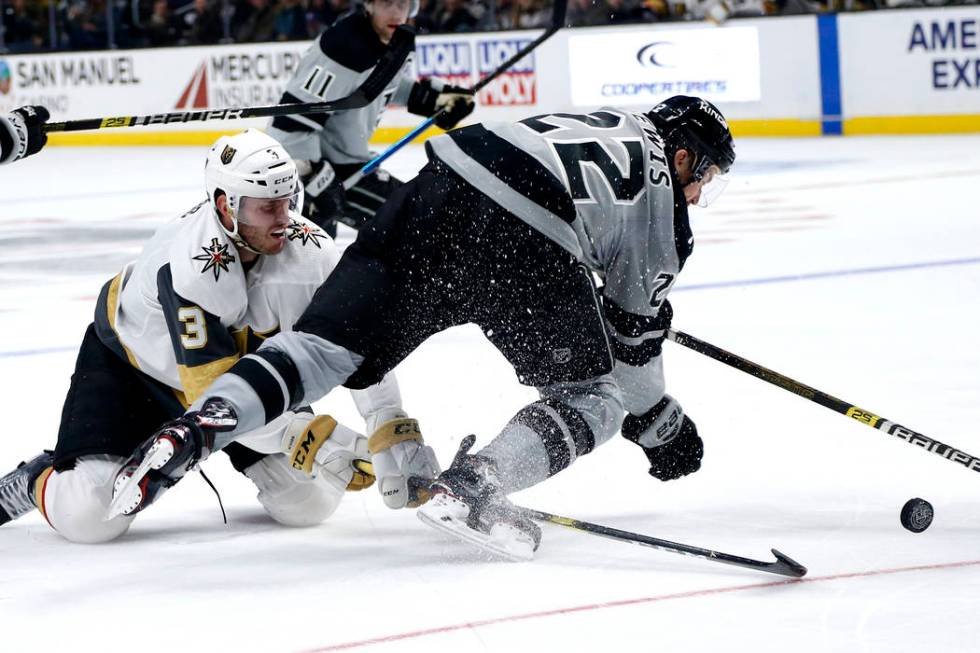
(916,515)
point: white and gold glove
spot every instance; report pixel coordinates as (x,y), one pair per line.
(328,451)
(398,454)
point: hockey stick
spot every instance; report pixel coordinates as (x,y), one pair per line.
(825,400)
(784,566)
(557,22)
(402,44)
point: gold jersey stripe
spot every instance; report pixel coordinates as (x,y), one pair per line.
(196,379)
(112,301)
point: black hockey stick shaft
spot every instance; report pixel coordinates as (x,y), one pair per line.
(825,400)
(402,44)
(783,566)
(557,22)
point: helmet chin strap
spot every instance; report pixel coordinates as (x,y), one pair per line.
(235,236)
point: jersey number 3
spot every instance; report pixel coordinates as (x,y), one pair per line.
(195,333)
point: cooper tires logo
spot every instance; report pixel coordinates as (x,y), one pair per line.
(659,53)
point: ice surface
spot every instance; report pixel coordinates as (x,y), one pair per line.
(851,264)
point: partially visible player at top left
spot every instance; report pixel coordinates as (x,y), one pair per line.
(21,134)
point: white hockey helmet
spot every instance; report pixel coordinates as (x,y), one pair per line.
(250,164)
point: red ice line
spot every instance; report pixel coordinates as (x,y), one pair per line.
(625,602)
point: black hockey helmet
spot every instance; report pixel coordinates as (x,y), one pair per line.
(697,126)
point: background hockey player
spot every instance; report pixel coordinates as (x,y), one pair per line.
(20,133)
(328,148)
(207,288)
(504,227)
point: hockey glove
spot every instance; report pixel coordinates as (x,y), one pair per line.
(163,458)
(328,452)
(21,134)
(398,453)
(325,192)
(431,95)
(669,439)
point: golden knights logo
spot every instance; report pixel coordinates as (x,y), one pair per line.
(217,258)
(305,232)
(228,154)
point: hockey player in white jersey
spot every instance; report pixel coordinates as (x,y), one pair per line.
(504,227)
(21,133)
(328,148)
(207,288)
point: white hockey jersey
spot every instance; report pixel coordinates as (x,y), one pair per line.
(186,310)
(599,186)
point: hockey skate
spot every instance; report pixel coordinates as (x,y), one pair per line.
(469,504)
(167,455)
(16,488)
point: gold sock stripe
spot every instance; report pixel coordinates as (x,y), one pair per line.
(392,432)
(40,484)
(315,434)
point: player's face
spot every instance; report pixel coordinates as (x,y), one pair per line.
(263,223)
(387,15)
(701,187)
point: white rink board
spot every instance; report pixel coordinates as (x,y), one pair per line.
(920,62)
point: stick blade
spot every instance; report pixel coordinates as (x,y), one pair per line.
(786,566)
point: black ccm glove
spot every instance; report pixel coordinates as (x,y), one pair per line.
(429,96)
(21,134)
(668,438)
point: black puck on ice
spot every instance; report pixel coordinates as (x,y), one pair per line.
(916,515)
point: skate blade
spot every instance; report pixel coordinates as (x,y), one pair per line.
(447,515)
(124,496)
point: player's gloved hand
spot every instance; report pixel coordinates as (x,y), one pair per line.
(399,454)
(167,455)
(21,132)
(328,452)
(669,439)
(325,191)
(429,96)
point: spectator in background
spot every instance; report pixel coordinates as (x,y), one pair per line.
(618,12)
(424,20)
(85,25)
(201,25)
(161,27)
(255,22)
(290,21)
(525,14)
(321,14)
(453,16)
(22,31)
(586,12)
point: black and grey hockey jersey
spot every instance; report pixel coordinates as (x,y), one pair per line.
(337,63)
(599,186)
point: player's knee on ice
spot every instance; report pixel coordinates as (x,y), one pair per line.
(75,501)
(291,497)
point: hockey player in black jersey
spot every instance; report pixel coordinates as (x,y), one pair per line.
(328,148)
(21,134)
(504,227)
